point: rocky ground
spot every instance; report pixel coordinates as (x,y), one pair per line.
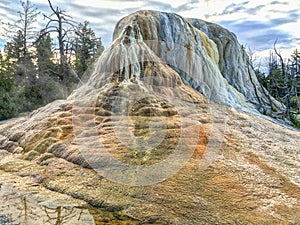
(244,170)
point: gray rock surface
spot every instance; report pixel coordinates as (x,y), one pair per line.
(207,56)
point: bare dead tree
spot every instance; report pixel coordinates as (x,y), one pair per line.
(62,24)
(287,96)
(24,24)
(294,71)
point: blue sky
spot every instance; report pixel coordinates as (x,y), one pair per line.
(256,23)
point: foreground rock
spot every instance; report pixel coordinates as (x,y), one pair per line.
(139,143)
(253,180)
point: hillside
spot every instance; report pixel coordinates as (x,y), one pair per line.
(159,134)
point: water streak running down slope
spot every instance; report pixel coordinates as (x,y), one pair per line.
(206,56)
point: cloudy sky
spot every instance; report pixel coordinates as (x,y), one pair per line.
(256,23)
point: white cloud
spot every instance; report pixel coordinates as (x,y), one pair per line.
(119,5)
(256,23)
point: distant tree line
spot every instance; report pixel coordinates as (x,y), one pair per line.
(283,82)
(36,69)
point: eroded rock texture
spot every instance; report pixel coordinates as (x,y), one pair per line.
(140,143)
(206,56)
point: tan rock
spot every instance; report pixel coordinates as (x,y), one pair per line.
(137,145)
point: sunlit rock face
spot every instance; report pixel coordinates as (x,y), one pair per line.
(235,66)
(206,56)
(183,48)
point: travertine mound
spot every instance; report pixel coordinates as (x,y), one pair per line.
(207,56)
(140,142)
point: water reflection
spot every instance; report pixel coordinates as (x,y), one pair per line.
(22,208)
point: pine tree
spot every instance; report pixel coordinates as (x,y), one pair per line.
(283,83)
(47,83)
(7,105)
(21,34)
(25,25)
(13,47)
(44,55)
(86,47)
